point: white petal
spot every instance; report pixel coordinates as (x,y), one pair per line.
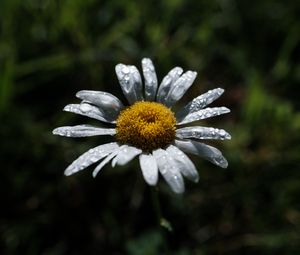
(108,103)
(113,162)
(180,87)
(90,157)
(203,114)
(131,82)
(169,170)
(88,110)
(185,165)
(199,103)
(167,82)
(149,168)
(202,133)
(83,131)
(125,154)
(200,149)
(150,79)
(105,161)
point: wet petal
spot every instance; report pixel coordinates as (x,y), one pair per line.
(185,165)
(83,131)
(105,161)
(169,170)
(200,149)
(131,82)
(149,168)
(199,103)
(167,82)
(90,157)
(125,154)
(203,114)
(150,79)
(179,88)
(108,103)
(88,110)
(202,133)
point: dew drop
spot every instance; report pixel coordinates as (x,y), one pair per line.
(125,70)
(94,159)
(85,107)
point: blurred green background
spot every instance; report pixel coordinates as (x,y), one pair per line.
(51,49)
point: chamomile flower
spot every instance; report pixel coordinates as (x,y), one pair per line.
(148,128)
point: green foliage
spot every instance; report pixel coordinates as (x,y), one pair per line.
(147,244)
(51,49)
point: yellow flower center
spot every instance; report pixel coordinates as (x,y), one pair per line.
(146,125)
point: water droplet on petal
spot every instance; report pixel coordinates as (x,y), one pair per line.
(222,133)
(125,70)
(94,159)
(85,107)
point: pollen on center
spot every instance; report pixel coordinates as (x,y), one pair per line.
(146,125)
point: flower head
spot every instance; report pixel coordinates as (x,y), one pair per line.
(148,128)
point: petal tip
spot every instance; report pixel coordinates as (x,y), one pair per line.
(118,67)
(67,108)
(114,162)
(179,191)
(94,174)
(79,94)
(224,164)
(68,172)
(225,109)
(145,60)
(151,182)
(196,179)
(55,131)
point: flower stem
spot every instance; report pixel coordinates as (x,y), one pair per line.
(163,223)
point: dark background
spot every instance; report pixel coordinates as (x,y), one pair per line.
(51,49)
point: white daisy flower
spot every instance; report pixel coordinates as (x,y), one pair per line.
(148,128)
